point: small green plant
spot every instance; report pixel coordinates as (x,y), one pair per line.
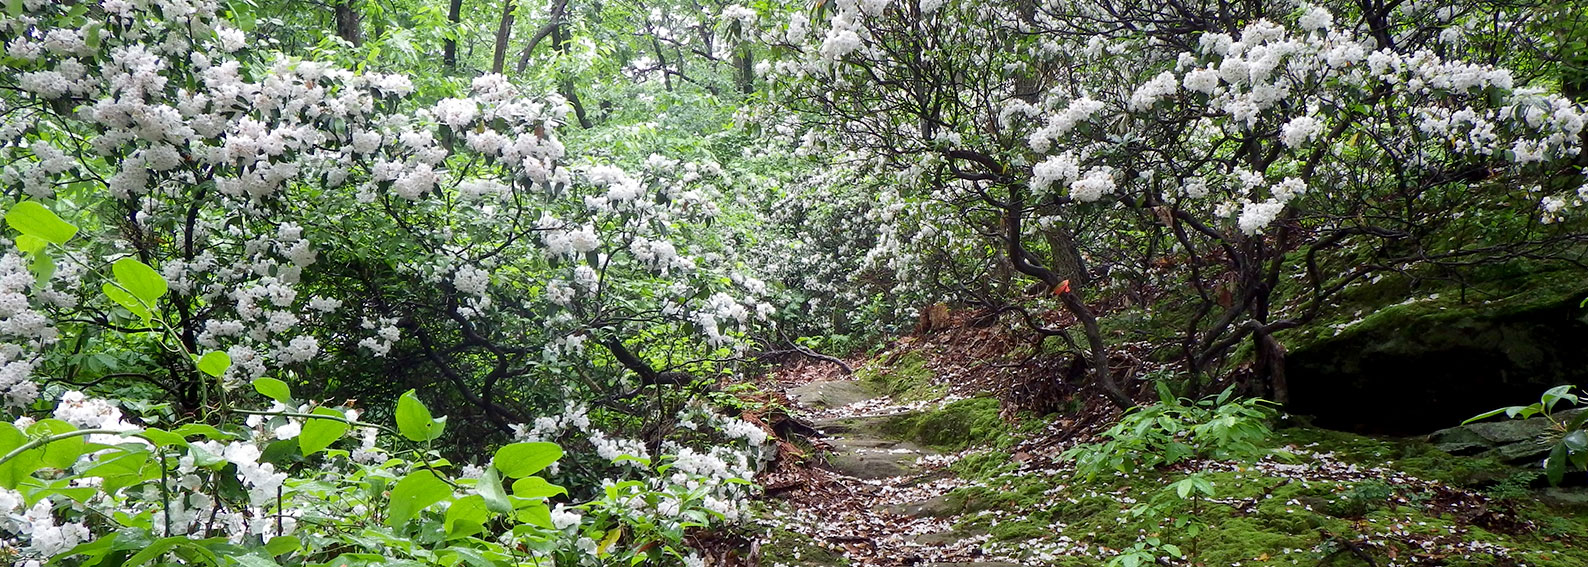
(1177,429)
(1567,438)
(1361,498)
(1513,487)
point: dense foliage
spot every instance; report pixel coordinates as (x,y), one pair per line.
(250,245)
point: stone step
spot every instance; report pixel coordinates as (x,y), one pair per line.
(874,458)
(831,394)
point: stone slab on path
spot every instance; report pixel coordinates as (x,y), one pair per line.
(873,458)
(831,394)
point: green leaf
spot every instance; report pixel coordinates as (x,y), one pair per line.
(121,470)
(536,487)
(33,219)
(274,389)
(520,460)
(58,454)
(414,493)
(31,244)
(466,516)
(1575,441)
(12,472)
(282,545)
(214,363)
(121,297)
(14,8)
(490,488)
(321,433)
(1555,465)
(139,279)
(414,421)
(536,513)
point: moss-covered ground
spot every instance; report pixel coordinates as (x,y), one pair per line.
(1330,499)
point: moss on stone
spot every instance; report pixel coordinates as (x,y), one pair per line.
(904,378)
(953,427)
(786,547)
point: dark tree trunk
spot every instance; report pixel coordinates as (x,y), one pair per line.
(568,89)
(1102,374)
(746,70)
(1067,261)
(449,47)
(504,32)
(347,26)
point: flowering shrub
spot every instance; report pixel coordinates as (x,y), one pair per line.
(191,215)
(1264,151)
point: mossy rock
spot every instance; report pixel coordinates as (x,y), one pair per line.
(1389,364)
(785,547)
(955,426)
(904,377)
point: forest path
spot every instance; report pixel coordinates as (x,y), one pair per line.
(882,501)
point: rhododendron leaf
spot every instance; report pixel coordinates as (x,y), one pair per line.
(59,454)
(214,363)
(607,542)
(33,219)
(1555,465)
(414,493)
(321,433)
(124,299)
(520,460)
(139,279)
(274,389)
(536,487)
(14,8)
(466,516)
(414,421)
(490,488)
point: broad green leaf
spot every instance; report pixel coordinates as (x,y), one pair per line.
(205,430)
(520,460)
(274,389)
(414,421)
(31,244)
(414,493)
(12,472)
(58,454)
(466,516)
(33,219)
(214,363)
(536,513)
(321,433)
(163,438)
(490,488)
(1555,465)
(1575,441)
(281,545)
(123,469)
(139,279)
(124,299)
(536,487)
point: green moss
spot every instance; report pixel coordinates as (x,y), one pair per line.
(903,377)
(1412,456)
(983,465)
(790,548)
(955,426)
(1490,292)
